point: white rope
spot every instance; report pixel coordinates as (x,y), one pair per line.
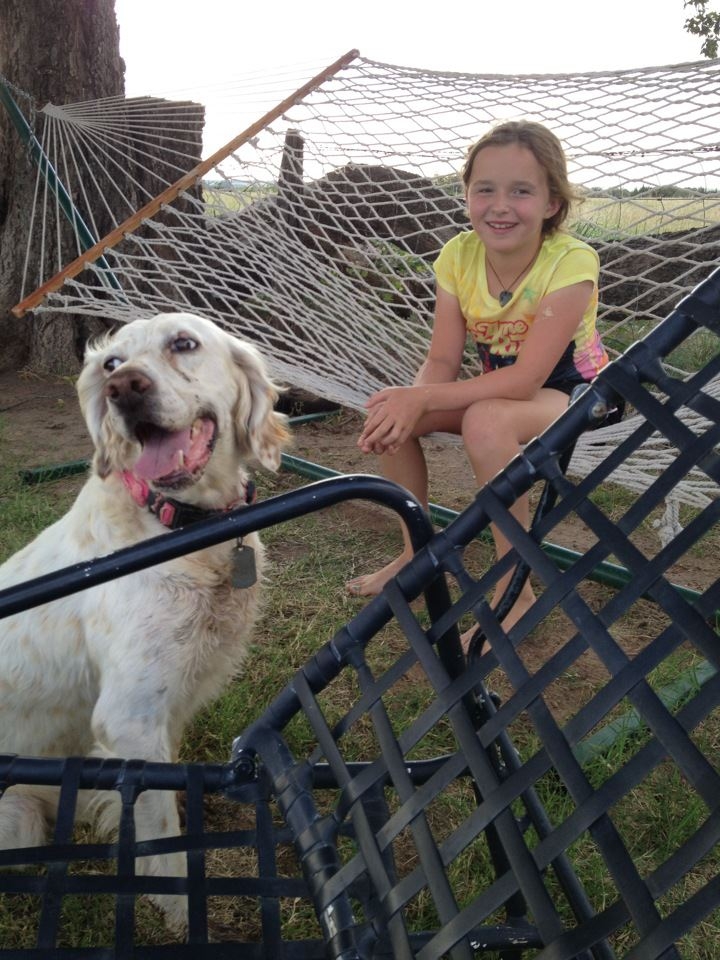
(669,526)
(323,256)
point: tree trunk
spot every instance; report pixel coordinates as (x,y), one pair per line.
(58,51)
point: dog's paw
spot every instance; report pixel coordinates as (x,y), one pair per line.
(173,906)
(174,912)
(22,821)
(181,804)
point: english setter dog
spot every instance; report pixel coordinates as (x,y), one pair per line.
(176,409)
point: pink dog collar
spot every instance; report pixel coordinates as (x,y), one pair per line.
(174,513)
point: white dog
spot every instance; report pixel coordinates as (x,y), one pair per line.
(176,408)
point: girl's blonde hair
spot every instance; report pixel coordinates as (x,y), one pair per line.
(547,150)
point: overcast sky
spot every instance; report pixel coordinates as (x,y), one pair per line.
(178,45)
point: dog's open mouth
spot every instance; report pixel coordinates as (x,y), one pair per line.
(174,458)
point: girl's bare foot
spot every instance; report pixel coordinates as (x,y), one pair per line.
(521,606)
(466,640)
(370,584)
(518,610)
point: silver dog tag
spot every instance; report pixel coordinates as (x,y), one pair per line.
(244,571)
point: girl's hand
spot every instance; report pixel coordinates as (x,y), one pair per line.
(392,415)
(394,412)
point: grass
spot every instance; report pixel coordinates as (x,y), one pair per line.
(25,511)
(608,218)
(225,201)
(305,605)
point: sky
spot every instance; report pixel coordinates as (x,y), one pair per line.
(171,46)
(240,58)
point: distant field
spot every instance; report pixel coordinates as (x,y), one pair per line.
(222,202)
(603,218)
(606,217)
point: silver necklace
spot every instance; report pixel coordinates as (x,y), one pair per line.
(506,292)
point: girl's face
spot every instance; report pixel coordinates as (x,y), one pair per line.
(508,199)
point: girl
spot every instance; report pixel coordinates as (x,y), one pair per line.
(526,292)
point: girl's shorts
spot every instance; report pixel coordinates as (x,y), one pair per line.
(564,377)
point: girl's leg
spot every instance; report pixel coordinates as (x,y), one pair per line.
(408,468)
(493,433)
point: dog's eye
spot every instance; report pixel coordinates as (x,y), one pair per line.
(184,345)
(112,363)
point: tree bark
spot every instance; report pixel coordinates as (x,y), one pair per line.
(59,51)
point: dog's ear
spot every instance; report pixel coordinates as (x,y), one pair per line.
(258,428)
(110,449)
(90,386)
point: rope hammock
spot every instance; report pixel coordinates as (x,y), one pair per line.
(313,231)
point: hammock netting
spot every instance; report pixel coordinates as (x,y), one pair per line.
(314,231)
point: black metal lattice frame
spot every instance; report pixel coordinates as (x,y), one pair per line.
(347,817)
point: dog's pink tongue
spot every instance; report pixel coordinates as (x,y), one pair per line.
(166,453)
(163,454)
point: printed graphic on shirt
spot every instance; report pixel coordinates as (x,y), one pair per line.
(501,336)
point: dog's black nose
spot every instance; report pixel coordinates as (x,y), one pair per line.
(127,385)
(131,393)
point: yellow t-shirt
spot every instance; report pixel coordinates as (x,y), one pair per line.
(562,261)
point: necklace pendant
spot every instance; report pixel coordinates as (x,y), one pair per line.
(504,297)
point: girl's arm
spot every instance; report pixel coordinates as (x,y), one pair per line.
(394,411)
(440,368)
(447,346)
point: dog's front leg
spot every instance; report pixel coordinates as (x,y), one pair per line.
(133,724)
